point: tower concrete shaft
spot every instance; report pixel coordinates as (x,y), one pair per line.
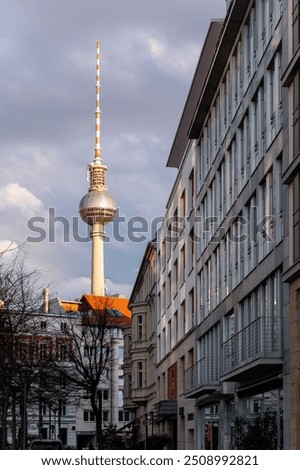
(97,275)
(97,207)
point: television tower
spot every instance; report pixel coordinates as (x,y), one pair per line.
(97,207)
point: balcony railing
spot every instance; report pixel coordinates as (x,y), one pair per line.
(164,410)
(205,375)
(261,339)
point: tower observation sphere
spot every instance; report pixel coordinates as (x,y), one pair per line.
(97,206)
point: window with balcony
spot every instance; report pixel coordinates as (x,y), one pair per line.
(258,326)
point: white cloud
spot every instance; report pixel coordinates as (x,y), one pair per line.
(156,47)
(15,196)
(115,288)
(72,288)
(171,58)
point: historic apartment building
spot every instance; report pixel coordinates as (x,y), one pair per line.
(140,350)
(46,403)
(227,274)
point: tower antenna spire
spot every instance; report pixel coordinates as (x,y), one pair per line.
(98,112)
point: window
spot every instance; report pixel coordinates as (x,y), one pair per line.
(43,325)
(23,349)
(140,327)
(88,415)
(169,289)
(265,215)
(296,115)
(257,132)
(63,326)
(43,350)
(191,249)
(105,394)
(140,375)
(63,408)
(182,204)
(191,186)
(164,342)
(89,351)
(183,318)
(62,351)
(120,397)
(296,24)
(273,98)
(121,415)
(121,352)
(296,217)
(62,380)
(175,279)
(163,298)
(44,408)
(163,255)
(105,415)
(229,326)
(278,200)
(176,326)
(192,307)
(182,264)
(170,343)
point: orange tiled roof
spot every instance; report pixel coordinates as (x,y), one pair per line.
(95,302)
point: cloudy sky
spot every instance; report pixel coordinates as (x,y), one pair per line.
(149,51)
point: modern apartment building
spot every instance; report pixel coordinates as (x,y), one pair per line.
(227,293)
(291,180)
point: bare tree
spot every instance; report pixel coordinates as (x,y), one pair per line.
(20,299)
(90,354)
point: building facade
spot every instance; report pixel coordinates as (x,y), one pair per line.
(140,351)
(290,178)
(110,390)
(227,293)
(47,404)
